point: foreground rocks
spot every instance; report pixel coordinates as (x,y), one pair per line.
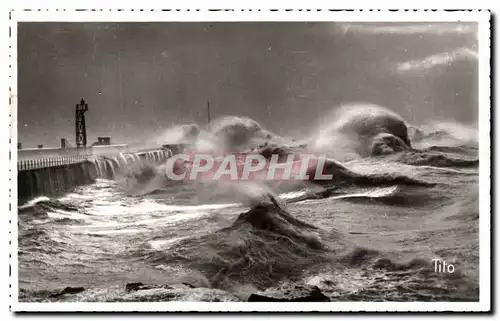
(130,287)
(68,290)
(296,294)
(140,292)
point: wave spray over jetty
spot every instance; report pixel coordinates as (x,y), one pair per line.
(388,177)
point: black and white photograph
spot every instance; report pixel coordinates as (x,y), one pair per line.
(224,165)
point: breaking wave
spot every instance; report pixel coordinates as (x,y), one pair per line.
(356,132)
(444,134)
(267,247)
(228,133)
(362,130)
(352,131)
(262,246)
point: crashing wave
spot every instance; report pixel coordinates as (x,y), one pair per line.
(342,176)
(361,130)
(432,158)
(240,133)
(228,133)
(263,246)
(444,134)
(180,134)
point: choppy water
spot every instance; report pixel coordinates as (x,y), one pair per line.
(359,241)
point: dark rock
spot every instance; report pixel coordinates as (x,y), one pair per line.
(189,285)
(68,290)
(137,286)
(133,286)
(297,294)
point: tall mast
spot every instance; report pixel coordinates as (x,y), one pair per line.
(208,111)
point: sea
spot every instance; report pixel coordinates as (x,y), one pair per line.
(401,202)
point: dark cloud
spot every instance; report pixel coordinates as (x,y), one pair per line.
(140,78)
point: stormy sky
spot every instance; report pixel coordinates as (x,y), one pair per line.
(141,78)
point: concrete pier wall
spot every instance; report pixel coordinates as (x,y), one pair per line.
(52,176)
(54,180)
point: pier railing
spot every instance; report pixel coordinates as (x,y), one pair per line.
(45,162)
(29,164)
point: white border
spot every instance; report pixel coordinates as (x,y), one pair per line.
(266,15)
